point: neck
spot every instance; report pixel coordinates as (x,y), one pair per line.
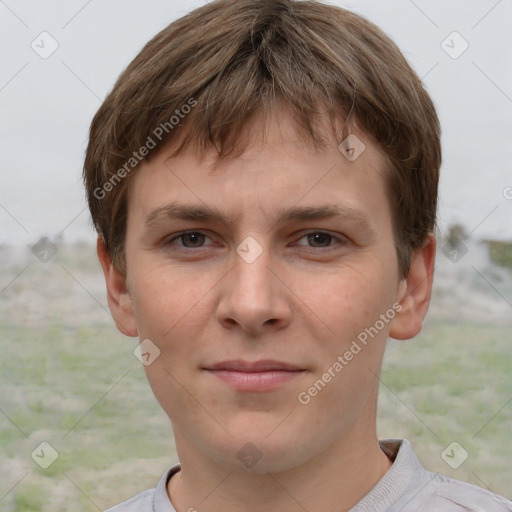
(335,479)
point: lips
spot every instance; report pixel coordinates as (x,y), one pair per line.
(266,365)
(257,376)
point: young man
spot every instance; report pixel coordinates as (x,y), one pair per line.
(263,178)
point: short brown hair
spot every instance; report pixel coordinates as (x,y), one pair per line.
(230,59)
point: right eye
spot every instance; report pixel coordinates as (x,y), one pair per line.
(189,240)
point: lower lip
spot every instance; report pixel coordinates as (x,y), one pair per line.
(256,381)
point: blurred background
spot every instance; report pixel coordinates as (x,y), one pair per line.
(69,379)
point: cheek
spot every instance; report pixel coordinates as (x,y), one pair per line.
(166,301)
(172,310)
(347,301)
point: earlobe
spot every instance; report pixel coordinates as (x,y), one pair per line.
(119,299)
(414,293)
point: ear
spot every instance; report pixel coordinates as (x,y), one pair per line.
(414,293)
(119,299)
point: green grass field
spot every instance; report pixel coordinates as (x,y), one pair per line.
(70,379)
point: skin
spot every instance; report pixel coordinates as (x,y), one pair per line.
(304,300)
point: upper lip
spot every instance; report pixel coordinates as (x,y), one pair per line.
(265,365)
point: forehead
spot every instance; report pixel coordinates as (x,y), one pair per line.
(277,169)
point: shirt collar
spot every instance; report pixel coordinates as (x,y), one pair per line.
(405,474)
(162,503)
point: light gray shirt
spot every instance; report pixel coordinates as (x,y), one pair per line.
(406,487)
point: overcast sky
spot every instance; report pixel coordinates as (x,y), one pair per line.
(47,104)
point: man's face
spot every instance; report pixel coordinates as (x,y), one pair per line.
(272,279)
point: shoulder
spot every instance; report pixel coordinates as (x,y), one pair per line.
(409,487)
(455,495)
(153,500)
(141,503)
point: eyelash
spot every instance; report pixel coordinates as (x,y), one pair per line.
(182,247)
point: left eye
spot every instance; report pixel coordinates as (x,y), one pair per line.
(319,239)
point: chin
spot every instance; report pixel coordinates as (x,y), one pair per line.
(256,459)
(261,451)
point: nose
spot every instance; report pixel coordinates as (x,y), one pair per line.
(254,297)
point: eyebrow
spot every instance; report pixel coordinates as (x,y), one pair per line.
(298,213)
